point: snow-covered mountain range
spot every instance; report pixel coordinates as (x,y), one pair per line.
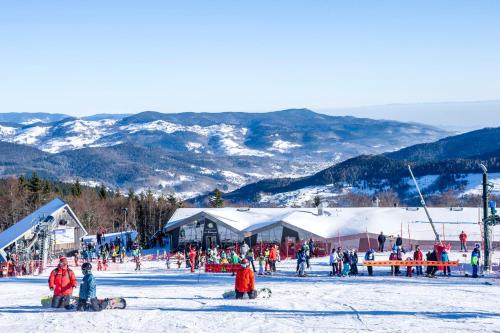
(190,153)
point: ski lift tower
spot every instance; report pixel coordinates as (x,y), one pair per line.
(422,201)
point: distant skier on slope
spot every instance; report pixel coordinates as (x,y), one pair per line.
(245,281)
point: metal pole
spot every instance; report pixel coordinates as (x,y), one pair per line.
(487,257)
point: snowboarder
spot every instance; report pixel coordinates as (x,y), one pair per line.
(418,255)
(370,256)
(87,298)
(62,280)
(463,241)
(445,258)
(245,281)
(474,260)
(381,242)
(333,262)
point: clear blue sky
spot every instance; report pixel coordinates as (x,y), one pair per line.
(86,57)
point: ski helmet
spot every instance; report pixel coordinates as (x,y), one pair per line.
(86,267)
(245,263)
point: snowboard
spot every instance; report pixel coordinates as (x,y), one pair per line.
(111,303)
(261,294)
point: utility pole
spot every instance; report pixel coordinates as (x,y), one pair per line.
(487,254)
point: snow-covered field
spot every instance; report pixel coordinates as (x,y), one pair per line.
(175,300)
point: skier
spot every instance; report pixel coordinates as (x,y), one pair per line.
(408,268)
(272,258)
(311,247)
(370,256)
(463,241)
(381,241)
(333,262)
(474,260)
(347,263)
(301,262)
(445,258)
(243,250)
(354,262)
(262,262)
(418,255)
(245,281)
(192,257)
(88,292)
(250,258)
(62,280)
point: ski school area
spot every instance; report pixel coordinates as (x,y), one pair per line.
(297,270)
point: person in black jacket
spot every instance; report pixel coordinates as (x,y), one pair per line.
(354,262)
(381,241)
(399,241)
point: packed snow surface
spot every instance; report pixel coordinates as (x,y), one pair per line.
(175,300)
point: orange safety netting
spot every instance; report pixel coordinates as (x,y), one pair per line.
(409,263)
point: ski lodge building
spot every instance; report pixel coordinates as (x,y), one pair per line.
(48,232)
(347,227)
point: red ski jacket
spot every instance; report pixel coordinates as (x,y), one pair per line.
(272,254)
(245,280)
(63,281)
(418,255)
(463,237)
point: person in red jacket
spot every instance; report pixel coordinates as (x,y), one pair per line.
(418,255)
(62,280)
(273,256)
(245,281)
(463,241)
(192,257)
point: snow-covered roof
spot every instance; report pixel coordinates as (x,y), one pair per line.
(25,225)
(335,222)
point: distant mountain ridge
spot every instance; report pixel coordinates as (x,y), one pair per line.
(191,153)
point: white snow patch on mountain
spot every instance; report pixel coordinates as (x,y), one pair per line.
(30,135)
(283,146)
(233,177)
(475,183)
(31,121)
(194,147)
(6,131)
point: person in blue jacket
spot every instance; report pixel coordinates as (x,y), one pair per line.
(474,260)
(87,297)
(445,258)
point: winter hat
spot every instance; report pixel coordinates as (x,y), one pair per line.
(245,263)
(62,258)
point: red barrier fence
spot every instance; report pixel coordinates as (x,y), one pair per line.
(222,268)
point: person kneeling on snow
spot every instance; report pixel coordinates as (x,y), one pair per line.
(88,291)
(62,280)
(245,281)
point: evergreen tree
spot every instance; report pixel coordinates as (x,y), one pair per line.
(76,189)
(35,183)
(317,201)
(215,200)
(103,192)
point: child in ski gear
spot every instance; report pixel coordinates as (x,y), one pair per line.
(394,256)
(192,257)
(136,253)
(88,291)
(245,281)
(262,262)
(340,259)
(301,262)
(272,258)
(266,256)
(333,262)
(370,256)
(474,260)
(62,280)
(418,255)
(234,259)
(445,258)
(408,268)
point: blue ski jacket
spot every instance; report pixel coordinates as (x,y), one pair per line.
(88,287)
